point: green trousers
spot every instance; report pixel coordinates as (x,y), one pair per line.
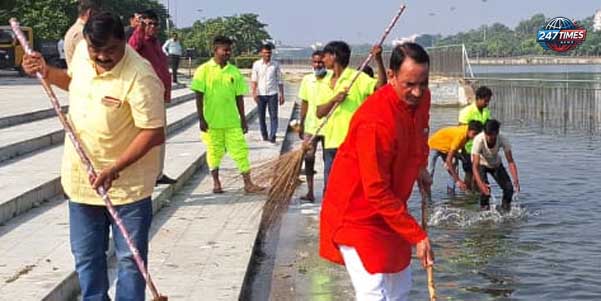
(230,141)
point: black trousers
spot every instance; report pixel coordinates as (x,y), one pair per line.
(310,155)
(502,178)
(174,63)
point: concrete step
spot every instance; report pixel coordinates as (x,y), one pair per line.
(24,100)
(19,107)
(34,247)
(21,193)
(25,138)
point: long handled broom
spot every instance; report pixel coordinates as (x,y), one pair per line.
(429,269)
(89,167)
(283,172)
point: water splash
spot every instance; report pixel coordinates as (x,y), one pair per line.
(445,216)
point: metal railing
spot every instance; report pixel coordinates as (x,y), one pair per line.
(450,61)
(562,105)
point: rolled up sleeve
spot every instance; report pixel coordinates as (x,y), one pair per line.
(146,102)
(424,117)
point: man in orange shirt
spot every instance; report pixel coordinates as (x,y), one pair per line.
(446,143)
(365,224)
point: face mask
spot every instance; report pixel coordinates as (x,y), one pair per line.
(320,72)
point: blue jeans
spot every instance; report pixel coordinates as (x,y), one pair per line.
(328,159)
(434,155)
(89,235)
(268,102)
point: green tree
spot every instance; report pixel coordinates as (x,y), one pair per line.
(50,19)
(246,30)
(6,7)
(530,26)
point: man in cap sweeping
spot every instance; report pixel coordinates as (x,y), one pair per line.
(365,224)
(309,95)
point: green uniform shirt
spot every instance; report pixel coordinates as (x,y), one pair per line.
(337,126)
(470,113)
(309,92)
(220,87)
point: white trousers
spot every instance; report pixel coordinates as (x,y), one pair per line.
(375,287)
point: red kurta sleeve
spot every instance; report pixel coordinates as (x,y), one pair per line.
(375,153)
(424,128)
(137,38)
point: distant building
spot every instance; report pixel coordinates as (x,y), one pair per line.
(597,21)
(403,40)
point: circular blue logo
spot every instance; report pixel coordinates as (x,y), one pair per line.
(561,34)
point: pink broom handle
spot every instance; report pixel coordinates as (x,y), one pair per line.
(86,160)
(365,62)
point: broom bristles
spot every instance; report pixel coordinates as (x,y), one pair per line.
(281,176)
(265,173)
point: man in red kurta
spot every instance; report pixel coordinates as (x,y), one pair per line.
(365,223)
(144,40)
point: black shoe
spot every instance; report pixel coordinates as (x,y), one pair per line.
(165,180)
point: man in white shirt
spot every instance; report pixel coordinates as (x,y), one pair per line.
(486,160)
(173,49)
(267,90)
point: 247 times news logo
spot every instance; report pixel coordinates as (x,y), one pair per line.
(561,34)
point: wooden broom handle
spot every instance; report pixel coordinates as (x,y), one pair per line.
(430,268)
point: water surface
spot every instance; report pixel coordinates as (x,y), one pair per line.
(548,248)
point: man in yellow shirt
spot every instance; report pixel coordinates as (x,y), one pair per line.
(446,143)
(116,110)
(478,111)
(308,93)
(335,90)
(220,89)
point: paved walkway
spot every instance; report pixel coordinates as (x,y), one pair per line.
(207,238)
(203,242)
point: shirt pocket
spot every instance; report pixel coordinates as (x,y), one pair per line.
(108,110)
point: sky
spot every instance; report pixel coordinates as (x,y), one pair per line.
(304,22)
